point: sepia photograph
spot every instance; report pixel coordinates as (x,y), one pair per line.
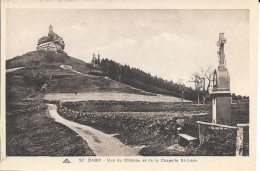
(127,82)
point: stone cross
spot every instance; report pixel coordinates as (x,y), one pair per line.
(221,53)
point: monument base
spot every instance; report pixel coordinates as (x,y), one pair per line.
(222,102)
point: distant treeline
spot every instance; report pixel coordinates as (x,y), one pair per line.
(142,80)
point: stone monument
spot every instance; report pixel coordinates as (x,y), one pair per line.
(221,95)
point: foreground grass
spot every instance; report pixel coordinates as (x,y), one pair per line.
(31,132)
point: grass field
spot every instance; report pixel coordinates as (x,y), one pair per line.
(111,96)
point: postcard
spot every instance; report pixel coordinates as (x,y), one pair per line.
(128,85)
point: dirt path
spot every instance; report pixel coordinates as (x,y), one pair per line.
(68,67)
(102,144)
(13,69)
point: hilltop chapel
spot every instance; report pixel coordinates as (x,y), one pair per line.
(52,42)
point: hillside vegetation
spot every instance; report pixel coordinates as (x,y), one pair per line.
(42,67)
(142,80)
(43,58)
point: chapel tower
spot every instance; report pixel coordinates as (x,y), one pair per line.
(50,29)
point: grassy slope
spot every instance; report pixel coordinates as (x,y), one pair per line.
(41,58)
(43,67)
(34,133)
(31,132)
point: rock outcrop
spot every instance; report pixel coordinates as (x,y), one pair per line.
(52,42)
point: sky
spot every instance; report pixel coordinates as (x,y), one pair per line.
(172,44)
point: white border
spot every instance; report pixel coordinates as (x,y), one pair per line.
(204,163)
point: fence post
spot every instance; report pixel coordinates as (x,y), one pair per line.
(239,141)
(201,133)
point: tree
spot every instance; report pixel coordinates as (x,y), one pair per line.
(234,97)
(182,87)
(207,79)
(93,59)
(98,60)
(203,82)
(196,78)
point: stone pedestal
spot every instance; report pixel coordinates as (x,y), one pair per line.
(221,108)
